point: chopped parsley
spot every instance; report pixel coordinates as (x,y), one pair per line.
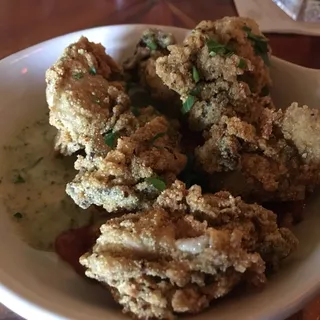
(77,75)
(187,105)
(265,91)
(191,99)
(242,64)
(157,136)
(110,139)
(151,45)
(17,215)
(260,45)
(215,48)
(195,74)
(19,179)
(157,183)
(196,90)
(93,71)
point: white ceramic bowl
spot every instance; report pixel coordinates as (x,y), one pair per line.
(38,285)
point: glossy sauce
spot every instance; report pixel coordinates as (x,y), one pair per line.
(33,186)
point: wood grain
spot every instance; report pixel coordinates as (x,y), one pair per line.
(24,23)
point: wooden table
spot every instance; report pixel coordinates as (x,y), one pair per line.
(27,22)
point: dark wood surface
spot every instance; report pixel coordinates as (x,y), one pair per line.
(27,22)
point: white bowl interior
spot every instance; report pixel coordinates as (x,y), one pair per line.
(38,285)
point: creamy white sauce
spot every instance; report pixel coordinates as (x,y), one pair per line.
(33,186)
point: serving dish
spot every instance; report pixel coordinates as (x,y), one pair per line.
(38,285)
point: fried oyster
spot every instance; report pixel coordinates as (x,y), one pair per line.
(185,252)
(221,74)
(131,175)
(128,150)
(84,100)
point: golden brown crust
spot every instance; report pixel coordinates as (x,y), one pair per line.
(146,258)
(83,103)
(118,181)
(185,252)
(220,72)
(228,107)
(250,148)
(85,106)
(223,211)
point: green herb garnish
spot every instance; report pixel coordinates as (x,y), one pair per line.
(187,105)
(17,215)
(265,91)
(93,71)
(151,45)
(110,139)
(157,183)
(260,45)
(157,136)
(215,48)
(195,74)
(19,179)
(196,90)
(242,64)
(77,75)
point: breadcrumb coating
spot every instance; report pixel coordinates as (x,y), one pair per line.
(250,148)
(83,99)
(86,106)
(119,181)
(185,252)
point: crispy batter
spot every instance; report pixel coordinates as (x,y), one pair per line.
(229,86)
(223,211)
(83,103)
(118,180)
(225,87)
(250,148)
(187,251)
(284,167)
(301,125)
(219,74)
(157,264)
